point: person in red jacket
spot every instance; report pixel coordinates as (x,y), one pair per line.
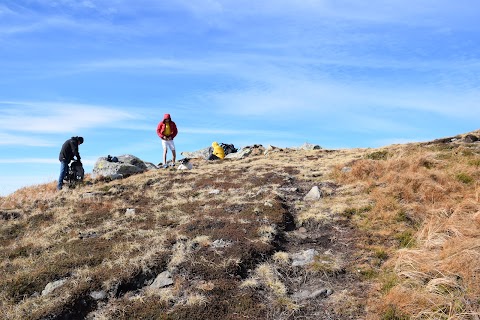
(167,131)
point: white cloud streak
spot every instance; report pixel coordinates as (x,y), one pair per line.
(55,117)
(7,139)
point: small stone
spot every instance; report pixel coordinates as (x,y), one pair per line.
(98,295)
(49,288)
(164,279)
(313,195)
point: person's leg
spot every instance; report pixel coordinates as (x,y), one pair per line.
(165,147)
(165,156)
(174,154)
(63,174)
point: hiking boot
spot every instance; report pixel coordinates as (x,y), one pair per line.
(165,166)
(172,164)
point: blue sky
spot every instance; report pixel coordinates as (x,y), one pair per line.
(338,73)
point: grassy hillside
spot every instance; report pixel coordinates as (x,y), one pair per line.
(395,235)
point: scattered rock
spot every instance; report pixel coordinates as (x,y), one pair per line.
(303,258)
(214,191)
(271,149)
(130,212)
(313,195)
(220,243)
(49,288)
(311,294)
(199,154)
(308,146)
(185,166)
(150,166)
(243,153)
(90,234)
(164,279)
(91,195)
(98,295)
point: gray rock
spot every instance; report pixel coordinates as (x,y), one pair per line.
(311,294)
(49,288)
(199,154)
(220,243)
(243,153)
(126,166)
(150,166)
(98,295)
(304,257)
(313,195)
(164,279)
(185,166)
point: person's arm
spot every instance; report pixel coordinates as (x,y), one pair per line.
(159,130)
(74,145)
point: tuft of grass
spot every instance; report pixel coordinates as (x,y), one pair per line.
(464,178)
(388,281)
(378,155)
(349,212)
(406,239)
(393,314)
(474,162)
(381,254)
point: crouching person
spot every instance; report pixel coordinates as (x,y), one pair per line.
(216,152)
(68,151)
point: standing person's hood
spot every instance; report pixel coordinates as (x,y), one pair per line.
(167,116)
(215,144)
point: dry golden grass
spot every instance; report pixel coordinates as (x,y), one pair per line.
(399,227)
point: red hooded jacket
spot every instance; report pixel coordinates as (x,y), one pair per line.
(161,128)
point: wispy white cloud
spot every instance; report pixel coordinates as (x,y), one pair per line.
(7,139)
(55,117)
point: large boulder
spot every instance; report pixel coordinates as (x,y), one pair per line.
(124,167)
(199,154)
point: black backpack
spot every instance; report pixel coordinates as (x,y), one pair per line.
(228,148)
(75,172)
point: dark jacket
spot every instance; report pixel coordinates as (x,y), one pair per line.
(70,149)
(161,128)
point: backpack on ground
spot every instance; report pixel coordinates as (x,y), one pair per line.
(75,173)
(228,148)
